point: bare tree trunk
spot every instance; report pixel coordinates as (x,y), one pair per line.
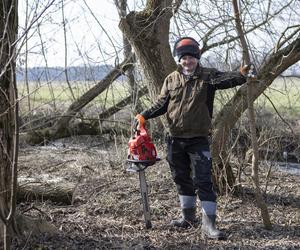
(250,82)
(148,33)
(81,102)
(8,119)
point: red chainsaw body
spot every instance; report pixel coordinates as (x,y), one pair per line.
(141,147)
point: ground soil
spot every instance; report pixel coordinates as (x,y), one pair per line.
(107,213)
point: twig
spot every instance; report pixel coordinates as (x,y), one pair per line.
(250,81)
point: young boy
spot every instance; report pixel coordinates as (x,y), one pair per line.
(187,99)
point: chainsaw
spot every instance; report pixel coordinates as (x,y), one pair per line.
(141,149)
(142,154)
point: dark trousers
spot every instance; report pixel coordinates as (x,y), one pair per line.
(190,163)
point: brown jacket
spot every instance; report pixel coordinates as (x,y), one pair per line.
(188,102)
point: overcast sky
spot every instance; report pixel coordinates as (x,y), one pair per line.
(93,36)
(87,41)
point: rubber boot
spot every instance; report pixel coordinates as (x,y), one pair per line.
(209,209)
(188,218)
(208,227)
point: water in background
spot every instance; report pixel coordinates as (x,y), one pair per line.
(288,167)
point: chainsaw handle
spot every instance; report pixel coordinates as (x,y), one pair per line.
(139,128)
(139,122)
(140,118)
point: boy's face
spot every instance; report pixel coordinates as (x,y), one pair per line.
(189,63)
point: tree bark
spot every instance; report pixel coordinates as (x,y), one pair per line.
(148,33)
(8,119)
(81,102)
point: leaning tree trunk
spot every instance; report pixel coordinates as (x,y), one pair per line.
(8,119)
(232,111)
(60,127)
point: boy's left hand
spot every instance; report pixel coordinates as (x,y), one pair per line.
(248,70)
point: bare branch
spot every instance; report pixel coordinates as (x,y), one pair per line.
(250,82)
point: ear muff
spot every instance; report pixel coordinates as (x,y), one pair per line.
(191,40)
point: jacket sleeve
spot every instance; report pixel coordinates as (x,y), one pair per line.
(160,107)
(226,80)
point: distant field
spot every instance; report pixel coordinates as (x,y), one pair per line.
(284,93)
(42,93)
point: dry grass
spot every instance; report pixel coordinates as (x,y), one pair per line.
(107,211)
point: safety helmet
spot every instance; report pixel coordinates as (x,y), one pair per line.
(186,46)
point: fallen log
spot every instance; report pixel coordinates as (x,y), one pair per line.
(55,189)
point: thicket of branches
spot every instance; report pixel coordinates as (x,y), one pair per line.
(141,54)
